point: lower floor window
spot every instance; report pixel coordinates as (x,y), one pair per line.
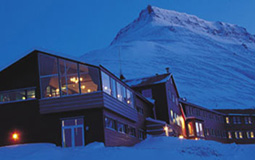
(229,135)
(238,135)
(250,134)
(122,128)
(132,131)
(110,123)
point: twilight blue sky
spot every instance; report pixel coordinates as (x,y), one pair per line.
(77,26)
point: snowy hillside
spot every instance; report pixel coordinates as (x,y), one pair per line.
(151,149)
(213,63)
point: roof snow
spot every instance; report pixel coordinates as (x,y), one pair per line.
(148,80)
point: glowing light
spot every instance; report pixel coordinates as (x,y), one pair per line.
(15,136)
(181,137)
(196,139)
(227,120)
(105,88)
(81,79)
(83,87)
(89,90)
(166,131)
(23,98)
(128,101)
(74,79)
(252,135)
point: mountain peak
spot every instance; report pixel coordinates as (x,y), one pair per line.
(153,18)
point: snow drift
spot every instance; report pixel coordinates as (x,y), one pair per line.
(150,149)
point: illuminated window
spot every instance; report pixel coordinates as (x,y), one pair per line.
(119,92)
(227,120)
(248,134)
(130,98)
(252,134)
(113,88)
(172,115)
(240,135)
(74,78)
(201,129)
(197,129)
(49,76)
(17,95)
(89,79)
(69,80)
(106,83)
(229,135)
(191,129)
(236,135)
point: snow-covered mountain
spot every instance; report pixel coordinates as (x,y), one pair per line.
(213,63)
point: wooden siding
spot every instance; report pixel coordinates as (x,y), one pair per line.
(87,101)
(119,107)
(71,103)
(114,138)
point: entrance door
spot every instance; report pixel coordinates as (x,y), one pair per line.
(72,132)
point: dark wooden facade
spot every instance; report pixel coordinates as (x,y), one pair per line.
(164,92)
(40,119)
(155,108)
(213,124)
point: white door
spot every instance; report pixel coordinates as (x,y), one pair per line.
(72,132)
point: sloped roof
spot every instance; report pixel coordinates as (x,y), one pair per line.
(148,80)
(237,111)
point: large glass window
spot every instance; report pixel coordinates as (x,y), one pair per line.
(49,76)
(89,79)
(69,77)
(119,92)
(50,86)
(130,98)
(48,65)
(113,88)
(106,83)
(74,78)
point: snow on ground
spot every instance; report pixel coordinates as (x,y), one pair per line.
(152,148)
